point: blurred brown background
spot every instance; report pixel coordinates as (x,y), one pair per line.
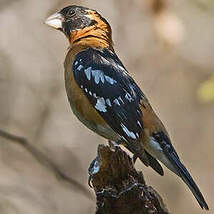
(169,49)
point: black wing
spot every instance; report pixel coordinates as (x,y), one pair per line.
(111,91)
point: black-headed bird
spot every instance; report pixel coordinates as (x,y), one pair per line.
(106,99)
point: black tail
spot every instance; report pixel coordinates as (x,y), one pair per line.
(176,166)
(186,177)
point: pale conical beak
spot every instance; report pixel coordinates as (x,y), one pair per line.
(55,21)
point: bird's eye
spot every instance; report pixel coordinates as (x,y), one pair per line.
(71,13)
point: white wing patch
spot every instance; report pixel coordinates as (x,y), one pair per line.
(121,100)
(108,102)
(138,122)
(128,133)
(101,105)
(94,95)
(80,67)
(116,102)
(110,90)
(88,73)
(110,80)
(98,76)
(128,97)
(102,78)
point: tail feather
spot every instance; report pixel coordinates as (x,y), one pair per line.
(155,164)
(163,150)
(186,177)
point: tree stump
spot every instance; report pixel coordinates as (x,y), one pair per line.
(119,188)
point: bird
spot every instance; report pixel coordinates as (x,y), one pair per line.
(106,99)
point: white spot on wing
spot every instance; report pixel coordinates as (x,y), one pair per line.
(102,77)
(86,90)
(94,95)
(119,98)
(128,97)
(79,67)
(116,102)
(108,102)
(97,78)
(76,63)
(98,75)
(132,135)
(138,122)
(101,105)
(90,93)
(132,88)
(88,73)
(128,133)
(110,80)
(122,68)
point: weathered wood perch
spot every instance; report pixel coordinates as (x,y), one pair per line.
(119,188)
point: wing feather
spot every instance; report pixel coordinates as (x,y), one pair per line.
(110,89)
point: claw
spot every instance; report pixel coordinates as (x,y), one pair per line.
(114,144)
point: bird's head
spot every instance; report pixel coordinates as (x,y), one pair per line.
(77,21)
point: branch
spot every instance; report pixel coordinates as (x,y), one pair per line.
(46,161)
(119,187)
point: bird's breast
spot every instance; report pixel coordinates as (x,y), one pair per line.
(83,109)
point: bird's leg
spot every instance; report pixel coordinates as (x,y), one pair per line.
(114,144)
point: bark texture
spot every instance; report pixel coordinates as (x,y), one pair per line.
(119,187)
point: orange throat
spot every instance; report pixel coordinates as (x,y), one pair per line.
(98,36)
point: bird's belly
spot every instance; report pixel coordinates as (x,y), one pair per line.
(85,112)
(83,109)
(101,129)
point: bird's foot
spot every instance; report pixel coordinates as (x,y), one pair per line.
(114,144)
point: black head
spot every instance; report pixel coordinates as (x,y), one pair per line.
(76,18)
(73,18)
